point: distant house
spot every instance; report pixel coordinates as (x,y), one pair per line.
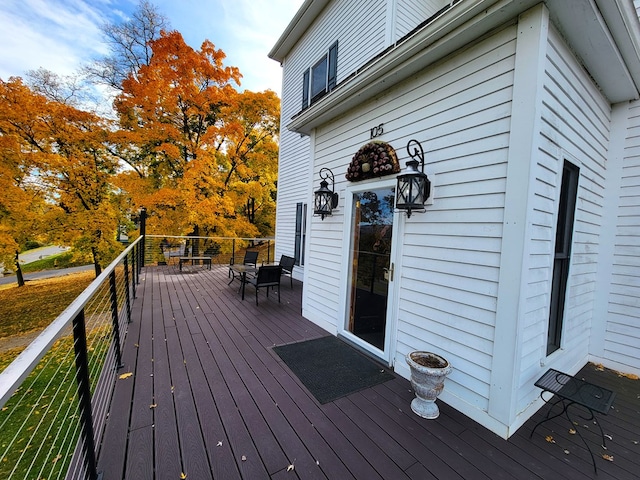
(526,255)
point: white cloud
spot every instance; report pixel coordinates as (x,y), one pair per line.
(61,35)
(51,34)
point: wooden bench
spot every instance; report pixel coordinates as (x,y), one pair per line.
(571,391)
(203,259)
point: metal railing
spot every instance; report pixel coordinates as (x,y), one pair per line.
(54,397)
(166,249)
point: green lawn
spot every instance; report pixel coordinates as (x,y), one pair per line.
(39,302)
(39,425)
(61,260)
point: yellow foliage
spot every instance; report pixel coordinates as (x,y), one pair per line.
(198,148)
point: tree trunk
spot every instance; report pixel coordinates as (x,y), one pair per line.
(96,263)
(19,276)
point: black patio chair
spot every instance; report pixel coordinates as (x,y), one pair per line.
(268,276)
(250,258)
(287,263)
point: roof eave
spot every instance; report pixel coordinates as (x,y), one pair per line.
(618,35)
(300,23)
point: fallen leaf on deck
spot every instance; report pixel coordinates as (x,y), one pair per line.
(219,444)
(153,405)
(290,468)
(244,459)
(567,452)
(572,431)
(549,439)
(183,475)
(125,375)
(608,457)
(609,437)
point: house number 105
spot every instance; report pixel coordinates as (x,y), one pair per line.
(377,131)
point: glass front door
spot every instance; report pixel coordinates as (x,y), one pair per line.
(371,266)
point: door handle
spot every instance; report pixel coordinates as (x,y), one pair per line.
(388,273)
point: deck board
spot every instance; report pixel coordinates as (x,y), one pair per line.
(112,458)
(209,398)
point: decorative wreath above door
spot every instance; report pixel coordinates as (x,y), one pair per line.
(375,159)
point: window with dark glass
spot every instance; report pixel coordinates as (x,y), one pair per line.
(301,233)
(321,77)
(562,256)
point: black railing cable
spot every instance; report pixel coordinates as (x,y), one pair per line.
(114,317)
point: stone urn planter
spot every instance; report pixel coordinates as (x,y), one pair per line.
(428,372)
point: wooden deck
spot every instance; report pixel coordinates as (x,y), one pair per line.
(209,398)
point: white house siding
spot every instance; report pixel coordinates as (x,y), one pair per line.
(622,337)
(575,126)
(410,13)
(459,110)
(359,28)
(451,253)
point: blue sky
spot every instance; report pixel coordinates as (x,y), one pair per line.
(60,35)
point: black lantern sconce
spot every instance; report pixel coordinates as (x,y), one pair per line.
(325,200)
(413,187)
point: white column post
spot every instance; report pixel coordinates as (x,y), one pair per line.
(533,26)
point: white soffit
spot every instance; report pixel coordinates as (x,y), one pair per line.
(588,34)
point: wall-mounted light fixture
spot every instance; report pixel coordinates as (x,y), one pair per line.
(413,187)
(325,200)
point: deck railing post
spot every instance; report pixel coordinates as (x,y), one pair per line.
(143,233)
(373,271)
(233,250)
(140,254)
(134,276)
(137,265)
(268,251)
(114,316)
(127,287)
(84,394)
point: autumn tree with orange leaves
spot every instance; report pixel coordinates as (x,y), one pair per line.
(197,150)
(56,175)
(187,145)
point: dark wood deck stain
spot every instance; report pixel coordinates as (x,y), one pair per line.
(210,399)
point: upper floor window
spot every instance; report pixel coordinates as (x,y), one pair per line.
(321,77)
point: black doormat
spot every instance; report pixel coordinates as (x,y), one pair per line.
(331,368)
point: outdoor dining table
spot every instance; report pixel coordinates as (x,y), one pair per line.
(241,270)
